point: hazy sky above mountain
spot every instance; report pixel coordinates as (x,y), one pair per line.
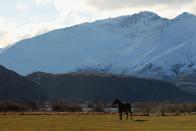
(21,19)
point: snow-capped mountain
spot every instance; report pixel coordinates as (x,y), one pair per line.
(4,49)
(1,50)
(142,44)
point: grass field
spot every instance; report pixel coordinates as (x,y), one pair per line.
(90,122)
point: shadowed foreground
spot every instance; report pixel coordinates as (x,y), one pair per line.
(95,123)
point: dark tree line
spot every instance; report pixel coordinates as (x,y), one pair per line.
(139,108)
(12,106)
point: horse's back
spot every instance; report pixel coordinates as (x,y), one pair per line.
(127,104)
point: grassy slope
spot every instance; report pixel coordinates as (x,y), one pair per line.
(95,123)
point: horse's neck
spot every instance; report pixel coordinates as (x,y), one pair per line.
(120,103)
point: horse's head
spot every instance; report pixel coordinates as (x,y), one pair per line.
(116,101)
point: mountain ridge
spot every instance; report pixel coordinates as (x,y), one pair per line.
(106,87)
(17,88)
(142,44)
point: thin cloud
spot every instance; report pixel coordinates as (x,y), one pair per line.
(119,4)
(70,12)
(41,2)
(21,5)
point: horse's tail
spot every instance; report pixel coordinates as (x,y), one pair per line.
(130,109)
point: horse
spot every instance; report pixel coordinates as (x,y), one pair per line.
(123,107)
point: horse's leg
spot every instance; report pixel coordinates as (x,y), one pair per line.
(131,115)
(120,114)
(127,115)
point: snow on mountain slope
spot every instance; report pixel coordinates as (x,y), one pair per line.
(4,48)
(142,44)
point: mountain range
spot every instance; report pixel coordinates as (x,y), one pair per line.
(106,87)
(40,86)
(142,44)
(18,88)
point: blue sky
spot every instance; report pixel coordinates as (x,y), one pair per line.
(21,19)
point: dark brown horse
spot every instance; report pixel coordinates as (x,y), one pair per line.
(123,107)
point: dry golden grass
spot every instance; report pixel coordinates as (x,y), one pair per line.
(95,122)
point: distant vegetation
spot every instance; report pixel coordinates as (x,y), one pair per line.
(12,106)
(139,108)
